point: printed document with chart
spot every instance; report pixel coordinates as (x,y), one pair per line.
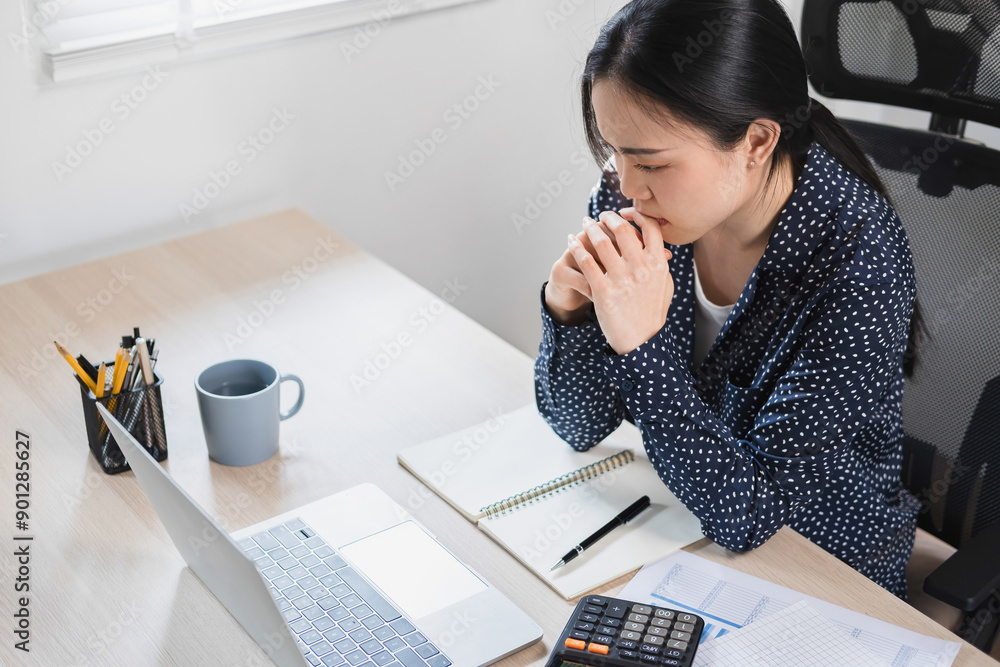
(732,601)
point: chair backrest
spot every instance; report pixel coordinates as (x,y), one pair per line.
(941,56)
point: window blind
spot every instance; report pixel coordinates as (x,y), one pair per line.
(81,38)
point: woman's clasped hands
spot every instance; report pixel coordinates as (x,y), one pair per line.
(623,272)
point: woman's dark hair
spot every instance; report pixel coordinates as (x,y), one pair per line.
(718,65)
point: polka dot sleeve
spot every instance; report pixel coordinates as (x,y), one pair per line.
(572,391)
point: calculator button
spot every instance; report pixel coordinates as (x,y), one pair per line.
(635,627)
(652,639)
(677,644)
(661,623)
(648,648)
(576,643)
(673,653)
(627,644)
(682,636)
(686,618)
(664,613)
(586,627)
(604,639)
(598,600)
(598,648)
(684,627)
(641,609)
(616,609)
(648,658)
(638,618)
(670,662)
(592,609)
(629,654)
(579,634)
(605,630)
(629,634)
(662,632)
(611,622)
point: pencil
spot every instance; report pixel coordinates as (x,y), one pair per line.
(76,367)
(102,374)
(121,369)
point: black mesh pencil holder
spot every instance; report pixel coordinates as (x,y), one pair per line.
(139,410)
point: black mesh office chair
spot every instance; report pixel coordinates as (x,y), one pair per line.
(941,56)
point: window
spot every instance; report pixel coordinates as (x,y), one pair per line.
(80,38)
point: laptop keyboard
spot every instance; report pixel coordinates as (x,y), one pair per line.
(338,617)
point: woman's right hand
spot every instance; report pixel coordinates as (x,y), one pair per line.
(567,295)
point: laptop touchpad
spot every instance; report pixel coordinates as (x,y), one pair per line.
(420,575)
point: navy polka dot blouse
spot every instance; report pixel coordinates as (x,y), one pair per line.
(794,416)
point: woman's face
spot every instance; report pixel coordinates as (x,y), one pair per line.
(670,172)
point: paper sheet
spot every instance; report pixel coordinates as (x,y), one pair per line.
(729,599)
(795,636)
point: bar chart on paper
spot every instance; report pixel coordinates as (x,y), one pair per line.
(795,636)
(728,600)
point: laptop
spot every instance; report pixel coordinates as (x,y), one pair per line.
(351,580)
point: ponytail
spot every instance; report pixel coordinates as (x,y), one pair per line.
(838,141)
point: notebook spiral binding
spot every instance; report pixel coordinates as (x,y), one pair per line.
(559,483)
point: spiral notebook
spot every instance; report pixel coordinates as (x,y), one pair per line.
(538,498)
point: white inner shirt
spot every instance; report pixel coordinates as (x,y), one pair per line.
(708,321)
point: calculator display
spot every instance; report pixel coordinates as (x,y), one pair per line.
(609,632)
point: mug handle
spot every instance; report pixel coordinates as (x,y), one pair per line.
(302,395)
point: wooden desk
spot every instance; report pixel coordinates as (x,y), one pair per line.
(386,364)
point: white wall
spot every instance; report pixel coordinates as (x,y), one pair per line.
(450,220)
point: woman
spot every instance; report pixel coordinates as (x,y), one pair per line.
(741,290)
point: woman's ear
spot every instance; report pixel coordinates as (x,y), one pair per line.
(760,141)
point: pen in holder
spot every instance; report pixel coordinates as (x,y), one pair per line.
(140,410)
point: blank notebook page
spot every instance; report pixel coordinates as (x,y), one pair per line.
(795,636)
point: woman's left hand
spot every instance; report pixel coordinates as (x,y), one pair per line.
(632,293)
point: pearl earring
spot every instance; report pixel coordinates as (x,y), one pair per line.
(751,163)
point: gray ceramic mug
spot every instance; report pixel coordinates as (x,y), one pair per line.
(240,409)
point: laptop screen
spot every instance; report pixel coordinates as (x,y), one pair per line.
(427,580)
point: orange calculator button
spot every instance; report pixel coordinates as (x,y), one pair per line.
(576,643)
(598,648)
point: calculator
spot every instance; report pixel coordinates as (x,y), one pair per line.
(608,632)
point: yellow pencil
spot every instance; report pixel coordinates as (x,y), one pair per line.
(102,378)
(117,372)
(126,360)
(76,367)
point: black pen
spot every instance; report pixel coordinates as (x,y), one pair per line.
(630,512)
